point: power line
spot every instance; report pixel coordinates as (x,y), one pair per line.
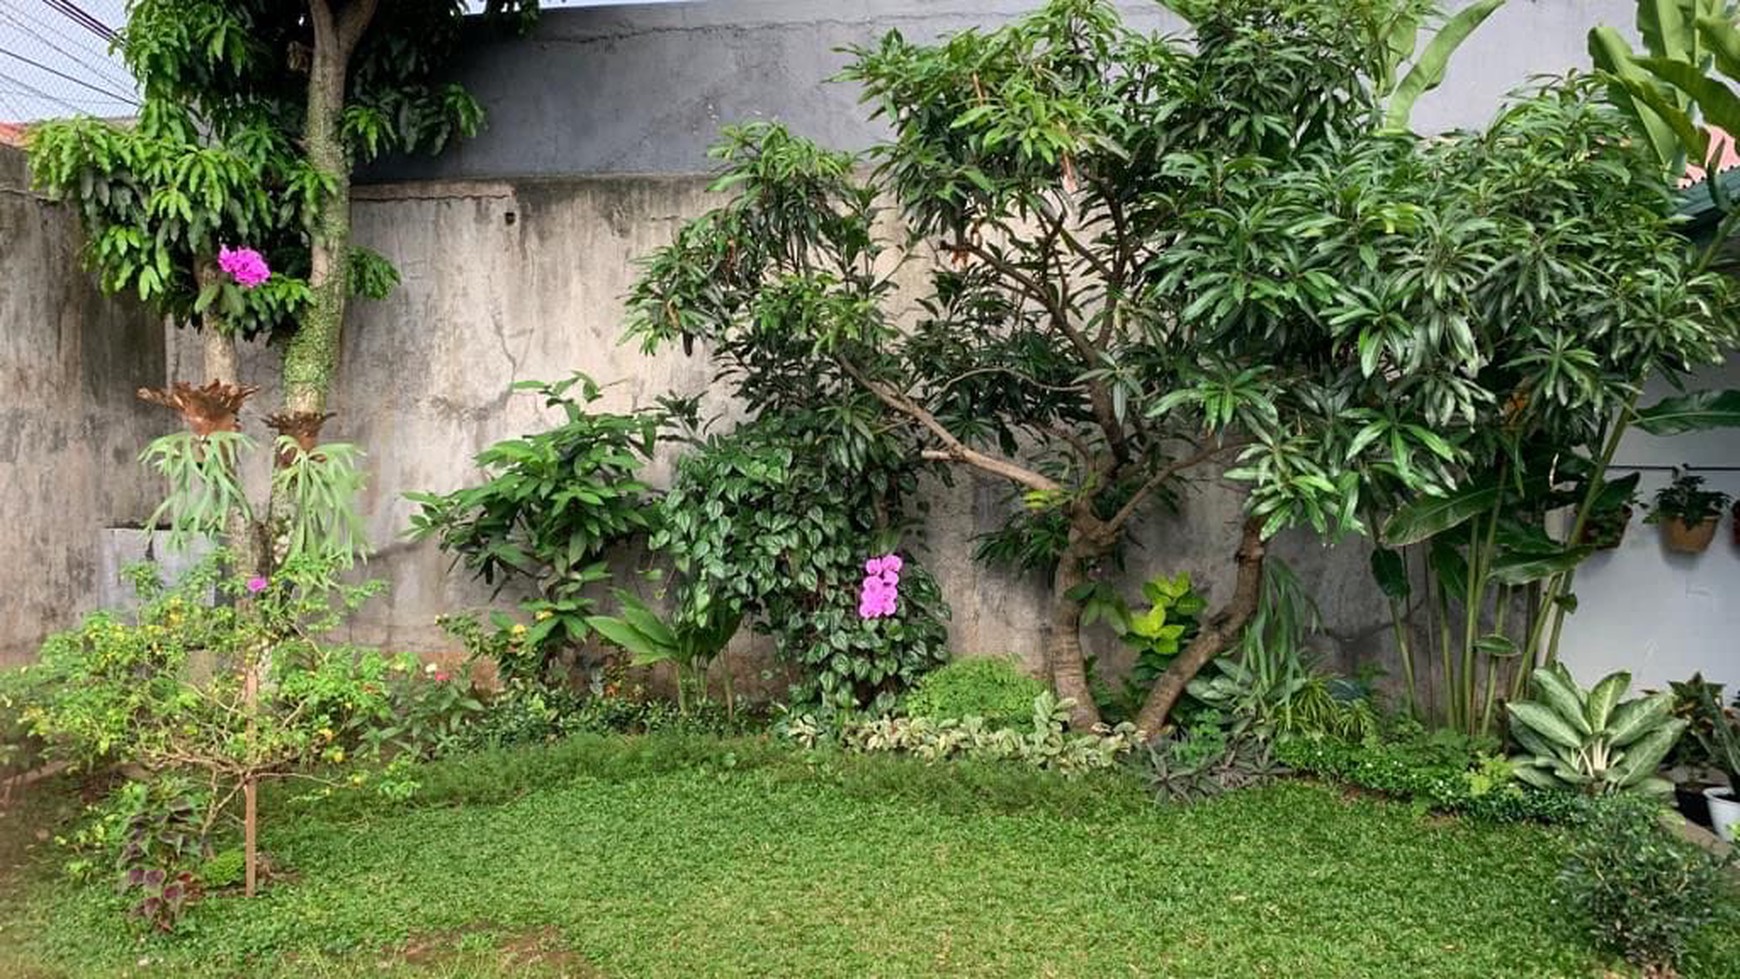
(128,99)
(78,16)
(94,67)
(39,93)
(82,41)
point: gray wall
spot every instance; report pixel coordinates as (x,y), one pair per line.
(70,426)
(645,89)
(504,281)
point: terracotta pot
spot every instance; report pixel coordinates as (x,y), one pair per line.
(1682,539)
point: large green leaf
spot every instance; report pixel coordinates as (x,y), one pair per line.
(1695,412)
(1564,698)
(1520,569)
(1636,718)
(1603,697)
(1450,568)
(1723,41)
(1662,25)
(1391,573)
(1643,757)
(1612,55)
(1544,722)
(1718,103)
(1432,515)
(1428,70)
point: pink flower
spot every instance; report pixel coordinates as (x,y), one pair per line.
(257,584)
(441,677)
(878,594)
(245,265)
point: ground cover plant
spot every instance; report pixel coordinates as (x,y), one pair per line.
(694,856)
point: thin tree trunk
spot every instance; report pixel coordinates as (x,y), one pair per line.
(311,356)
(1220,635)
(1063,650)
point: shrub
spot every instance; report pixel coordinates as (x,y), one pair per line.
(1641,892)
(1206,761)
(1042,745)
(991,687)
(1442,771)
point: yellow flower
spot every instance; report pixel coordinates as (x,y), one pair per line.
(545,613)
(519,629)
(338,754)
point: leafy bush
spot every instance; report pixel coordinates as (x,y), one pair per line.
(20,749)
(1443,771)
(553,504)
(1043,744)
(1641,892)
(991,687)
(1589,740)
(775,522)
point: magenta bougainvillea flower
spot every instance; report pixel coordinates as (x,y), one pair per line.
(881,588)
(246,266)
(257,585)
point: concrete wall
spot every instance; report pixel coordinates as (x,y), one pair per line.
(644,89)
(504,281)
(70,427)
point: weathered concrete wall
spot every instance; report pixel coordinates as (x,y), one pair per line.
(644,89)
(504,281)
(70,427)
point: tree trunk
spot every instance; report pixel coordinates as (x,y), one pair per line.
(311,356)
(1063,651)
(1222,632)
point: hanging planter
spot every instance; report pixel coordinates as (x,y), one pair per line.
(1606,528)
(1687,514)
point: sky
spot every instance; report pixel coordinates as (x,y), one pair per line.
(53,63)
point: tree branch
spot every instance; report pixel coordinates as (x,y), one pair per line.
(953,450)
(1155,481)
(352,23)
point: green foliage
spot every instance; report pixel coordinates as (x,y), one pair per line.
(1592,741)
(1428,71)
(20,749)
(204,489)
(1717,731)
(1637,889)
(991,687)
(169,696)
(1686,500)
(1043,744)
(1156,634)
(551,506)
(1667,91)
(1443,771)
(321,487)
(1205,762)
(223,870)
(1270,687)
(774,522)
(651,639)
(1697,411)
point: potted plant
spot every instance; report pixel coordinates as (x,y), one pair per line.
(1690,766)
(1688,514)
(1720,734)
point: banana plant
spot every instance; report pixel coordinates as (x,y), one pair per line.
(649,639)
(1427,71)
(1667,90)
(1591,741)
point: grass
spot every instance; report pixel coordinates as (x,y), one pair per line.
(671,857)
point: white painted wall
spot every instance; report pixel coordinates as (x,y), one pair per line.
(1664,616)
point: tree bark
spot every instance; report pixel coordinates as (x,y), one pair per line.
(1221,634)
(311,356)
(1063,650)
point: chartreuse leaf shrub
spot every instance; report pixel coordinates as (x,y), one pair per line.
(991,687)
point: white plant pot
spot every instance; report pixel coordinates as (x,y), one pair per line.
(1724,811)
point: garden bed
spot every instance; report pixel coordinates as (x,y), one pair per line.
(686,856)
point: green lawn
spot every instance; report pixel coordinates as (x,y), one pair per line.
(687,858)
